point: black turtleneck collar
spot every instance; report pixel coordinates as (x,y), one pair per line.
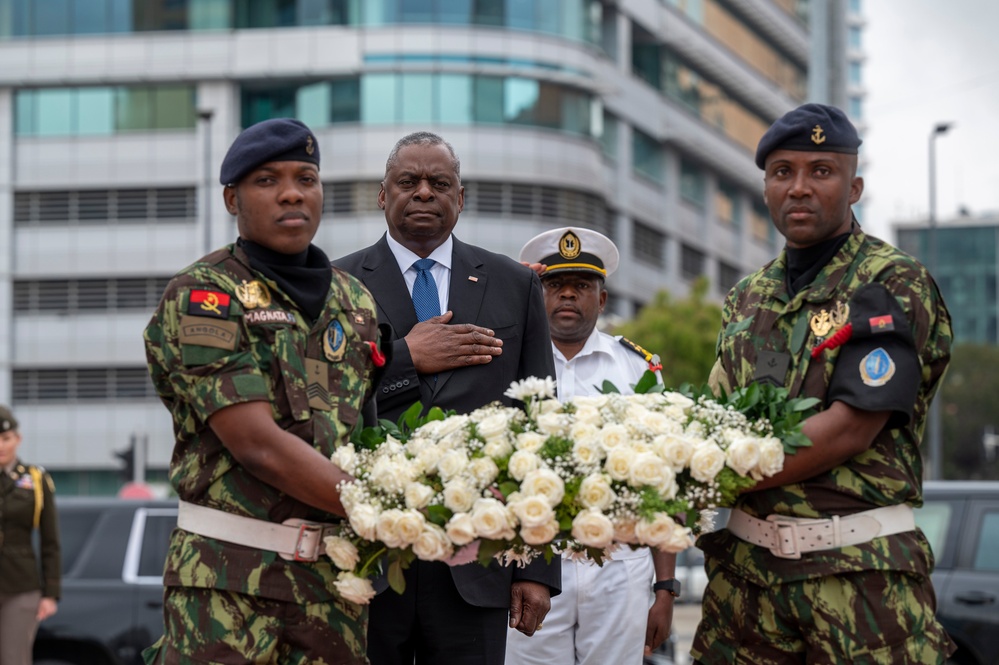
(305,276)
(805,263)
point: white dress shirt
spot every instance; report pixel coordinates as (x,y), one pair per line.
(602,358)
(441,270)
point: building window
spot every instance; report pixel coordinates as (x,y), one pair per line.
(856,109)
(104,206)
(728,276)
(81,384)
(853,37)
(856,73)
(759,222)
(608,135)
(102,111)
(648,245)
(691,262)
(74,296)
(728,205)
(693,183)
(647,156)
(646,56)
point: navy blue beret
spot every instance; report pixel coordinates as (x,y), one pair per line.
(810,128)
(277,140)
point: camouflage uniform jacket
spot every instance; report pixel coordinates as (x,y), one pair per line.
(219,338)
(759,315)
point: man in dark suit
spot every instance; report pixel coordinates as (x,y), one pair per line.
(466,324)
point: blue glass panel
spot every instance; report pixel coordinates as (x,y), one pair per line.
(345,100)
(454,99)
(378,99)
(520,101)
(574,19)
(455,12)
(487,105)
(646,155)
(379,12)
(173,107)
(51,17)
(313,104)
(121,19)
(488,12)
(54,112)
(416,11)
(94,111)
(261,105)
(210,14)
(520,14)
(548,16)
(25,112)
(133,109)
(417,97)
(90,17)
(576,112)
(18,12)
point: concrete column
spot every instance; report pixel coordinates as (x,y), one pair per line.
(7,265)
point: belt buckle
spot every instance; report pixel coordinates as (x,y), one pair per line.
(784,527)
(302,550)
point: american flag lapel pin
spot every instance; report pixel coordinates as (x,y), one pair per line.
(473,278)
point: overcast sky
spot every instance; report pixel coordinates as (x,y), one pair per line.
(930,61)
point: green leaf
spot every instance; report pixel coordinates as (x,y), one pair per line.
(409,420)
(438,515)
(645,383)
(608,388)
(396,579)
(508,488)
(488,550)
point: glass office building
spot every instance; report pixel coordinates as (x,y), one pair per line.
(637,118)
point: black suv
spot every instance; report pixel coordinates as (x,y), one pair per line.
(112,581)
(961,521)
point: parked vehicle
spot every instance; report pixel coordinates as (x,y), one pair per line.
(112,581)
(961,521)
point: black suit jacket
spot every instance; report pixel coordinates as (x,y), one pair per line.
(489,290)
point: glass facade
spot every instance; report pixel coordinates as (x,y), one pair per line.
(647,156)
(693,183)
(103,110)
(428,98)
(573,19)
(728,209)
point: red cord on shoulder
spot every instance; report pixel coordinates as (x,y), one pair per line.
(377,357)
(838,338)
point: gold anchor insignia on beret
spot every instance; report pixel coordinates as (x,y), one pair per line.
(309,147)
(569,246)
(817,135)
(253,294)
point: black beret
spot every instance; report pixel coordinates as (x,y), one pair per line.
(277,140)
(810,128)
(7,420)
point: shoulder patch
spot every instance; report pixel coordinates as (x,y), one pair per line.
(635,348)
(220,334)
(208,303)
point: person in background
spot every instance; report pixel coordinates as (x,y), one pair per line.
(27,503)
(264,357)
(823,563)
(467,323)
(615,612)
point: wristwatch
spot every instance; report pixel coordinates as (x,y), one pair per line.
(672,585)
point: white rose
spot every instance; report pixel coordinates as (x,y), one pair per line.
(549,406)
(553,424)
(594,401)
(432,544)
(635,412)
(679,540)
(619,462)
(342,552)
(676,449)
(460,529)
(428,458)
(668,488)
(539,535)
(522,463)
(595,492)
(649,469)
(409,526)
(492,426)
(388,476)
(583,431)
(771,457)
(530,441)
(588,415)
(678,399)
(498,448)
(593,529)
(452,463)
(492,520)
(657,423)
(458,496)
(418,495)
(546,483)
(696,431)
(743,454)
(624,531)
(706,461)
(450,425)
(656,532)
(387,529)
(484,470)
(587,451)
(357,590)
(345,457)
(364,521)
(532,510)
(613,436)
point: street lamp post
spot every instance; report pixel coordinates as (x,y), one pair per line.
(934,424)
(206,116)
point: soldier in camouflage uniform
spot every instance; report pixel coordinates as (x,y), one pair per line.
(822,563)
(264,357)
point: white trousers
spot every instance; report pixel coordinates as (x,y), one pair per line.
(599,618)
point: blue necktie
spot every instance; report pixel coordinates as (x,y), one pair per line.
(425,299)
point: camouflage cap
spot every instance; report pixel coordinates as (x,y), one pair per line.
(7,420)
(810,128)
(276,140)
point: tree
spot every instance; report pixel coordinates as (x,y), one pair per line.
(970,406)
(682,332)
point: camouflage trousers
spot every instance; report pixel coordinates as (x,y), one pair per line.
(217,626)
(862,618)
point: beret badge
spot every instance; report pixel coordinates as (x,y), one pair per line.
(569,246)
(817,137)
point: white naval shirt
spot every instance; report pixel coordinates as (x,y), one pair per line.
(602,358)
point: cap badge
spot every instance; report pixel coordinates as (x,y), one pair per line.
(569,245)
(309,146)
(333,341)
(818,135)
(253,294)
